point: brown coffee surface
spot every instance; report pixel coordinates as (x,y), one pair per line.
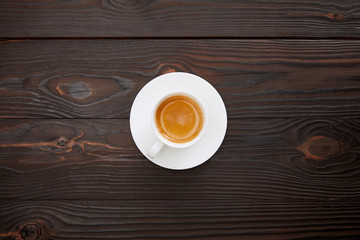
(179,119)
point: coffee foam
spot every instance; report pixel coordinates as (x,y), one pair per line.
(179,119)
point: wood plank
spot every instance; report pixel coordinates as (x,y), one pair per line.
(180,18)
(260,159)
(210,219)
(257,78)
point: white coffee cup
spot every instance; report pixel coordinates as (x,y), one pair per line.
(161,140)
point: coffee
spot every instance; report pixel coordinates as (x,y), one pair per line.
(179,119)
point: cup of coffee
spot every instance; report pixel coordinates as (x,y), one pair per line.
(179,120)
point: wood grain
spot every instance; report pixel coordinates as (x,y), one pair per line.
(180,18)
(256,78)
(288,72)
(210,219)
(260,159)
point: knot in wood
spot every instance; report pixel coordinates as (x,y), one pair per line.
(337,16)
(79,90)
(63,141)
(321,147)
(30,231)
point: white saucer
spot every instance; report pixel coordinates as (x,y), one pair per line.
(144,136)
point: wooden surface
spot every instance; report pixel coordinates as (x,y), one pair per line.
(256,78)
(288,72)
(180,18)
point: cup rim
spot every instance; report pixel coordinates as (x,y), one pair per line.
(168,142)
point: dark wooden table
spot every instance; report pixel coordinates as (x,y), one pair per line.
(289,74)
